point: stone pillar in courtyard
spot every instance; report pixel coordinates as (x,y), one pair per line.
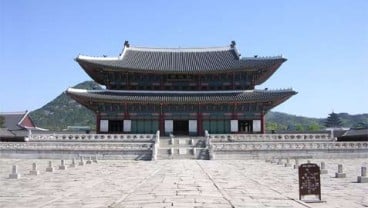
(323,168)
(340,173)
(50,168)
(363,178)
(34,170)
(14,174)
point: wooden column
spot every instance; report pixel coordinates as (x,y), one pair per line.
(200,130)
(162,121)
(263,123)
(233,84)
(98,118)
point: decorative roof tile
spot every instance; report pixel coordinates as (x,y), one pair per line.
(180,60)
(181,96)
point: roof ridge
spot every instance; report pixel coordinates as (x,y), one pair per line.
(179,49)
(14,113)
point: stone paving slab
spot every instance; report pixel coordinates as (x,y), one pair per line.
(175,183)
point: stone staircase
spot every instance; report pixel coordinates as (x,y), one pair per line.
(182,147)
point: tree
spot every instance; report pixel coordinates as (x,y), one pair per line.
(333,121)
(2,121)
(314,127)
(299,127)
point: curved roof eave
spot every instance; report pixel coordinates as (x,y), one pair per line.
(248,96)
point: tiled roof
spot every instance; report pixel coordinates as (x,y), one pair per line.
(4,132)
(12,120)
(179,60)
(181,96)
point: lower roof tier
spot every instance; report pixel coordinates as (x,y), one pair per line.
(180,97)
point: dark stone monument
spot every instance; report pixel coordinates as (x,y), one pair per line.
(309,182)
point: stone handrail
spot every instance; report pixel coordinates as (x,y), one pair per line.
(72,146)
(91,137)
(251,146)
(268,137)
(156,146)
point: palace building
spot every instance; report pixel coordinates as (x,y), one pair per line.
(180,90)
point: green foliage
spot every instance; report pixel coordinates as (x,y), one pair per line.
(2,121)
(333,120)
(64,111)
(314,127)
(281,122)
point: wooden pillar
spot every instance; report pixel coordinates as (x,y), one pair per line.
(200,130)
(162,121)
(263,123)
(126,113)
(198,82)
(98,118)
(233,81)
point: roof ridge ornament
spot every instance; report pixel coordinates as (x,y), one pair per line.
(126,44)
(233,44)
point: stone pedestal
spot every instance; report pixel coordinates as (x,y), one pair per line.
(323,168)
(296,166)
(279,162)
(50,168)
(81,162)
(34,170)
(89,161)
(340,173)
(14,174)
(363,178)
(72,165)
(94,159)
(62,165)
(287,164)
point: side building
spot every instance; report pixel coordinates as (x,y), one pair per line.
(180,90)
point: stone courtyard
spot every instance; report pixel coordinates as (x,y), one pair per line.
(176,183)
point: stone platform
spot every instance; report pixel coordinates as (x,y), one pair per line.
(176,183)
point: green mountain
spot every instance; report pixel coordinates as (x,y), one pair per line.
(64,111)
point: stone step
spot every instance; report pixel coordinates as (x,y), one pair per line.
(182,153)
(181,142)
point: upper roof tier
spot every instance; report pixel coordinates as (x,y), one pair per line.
(178,60)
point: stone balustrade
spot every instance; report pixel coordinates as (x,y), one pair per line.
(74,146)
(267,137)
(91,137)
(269,146)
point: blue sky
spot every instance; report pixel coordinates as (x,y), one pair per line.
(325,42)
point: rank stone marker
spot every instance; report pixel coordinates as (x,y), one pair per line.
(309,182)
(72,165)
(34,170)
(62,165)
(81,162)
(94,159)
(296,164)
(363,178)
(340,173)
(287,164)
(89,161)
(280,162)
(14,174)
(50,168)
(323,168)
